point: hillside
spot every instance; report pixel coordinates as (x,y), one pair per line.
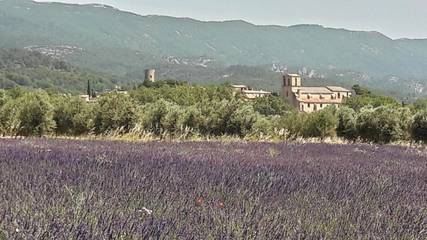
(33,70)
(106,39)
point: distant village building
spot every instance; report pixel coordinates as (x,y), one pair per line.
(310,99)
(150,75)
(118,90)
(249,93)
(239,88)
(85,98)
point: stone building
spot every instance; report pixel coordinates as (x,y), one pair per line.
(310,99)
(249,93)
(150,75)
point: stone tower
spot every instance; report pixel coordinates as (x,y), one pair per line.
(150,75)
(290,81)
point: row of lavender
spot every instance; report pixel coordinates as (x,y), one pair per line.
(113,190)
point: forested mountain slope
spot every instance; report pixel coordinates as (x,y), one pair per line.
(107,39)
(33,70)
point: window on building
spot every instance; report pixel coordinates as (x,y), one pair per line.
(287,94)
(339,95)
(308,96)
(321,105)
(308,105)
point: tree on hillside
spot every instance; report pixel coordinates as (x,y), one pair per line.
(361,91)
(89,89)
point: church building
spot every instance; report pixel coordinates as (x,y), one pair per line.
(310,99)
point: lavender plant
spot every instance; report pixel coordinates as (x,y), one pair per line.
(58,189)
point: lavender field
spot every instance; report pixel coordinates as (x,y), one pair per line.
(58,189)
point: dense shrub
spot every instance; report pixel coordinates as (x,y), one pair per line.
(358,102)
(293,123)
(216,116)
(264,127)
(183,111)
(3,97)
(420,105)
(72,116)
(321,124)
(183,95)
(419,127)
(270,106)
(242,120)
(158,117)
(28,115)
(346,123)
(380,125)
(114,112)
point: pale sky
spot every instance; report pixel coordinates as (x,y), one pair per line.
(394,18)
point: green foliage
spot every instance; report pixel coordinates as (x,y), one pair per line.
(28,115)
(106,50)
(405,118)
(159,117)
(272,105)
(15,92)
(30,69)
(189,110)
(381,125)
(114,112)
(420,105)
(264,126)
(216,116)
(293,123)
(89,89)
(165,117)
(72,116)
(419,127)
(242,120)
(2,235)
(346,123)
(358,102)
(184,95)
(3,97)
(321,124)
(161,83)
(361,91)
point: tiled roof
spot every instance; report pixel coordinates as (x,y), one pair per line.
(255,92)
(239,86)
(337,89)
(292,75)
(313,90)
(314,100)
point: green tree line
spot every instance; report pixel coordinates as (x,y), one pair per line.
(179,110)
